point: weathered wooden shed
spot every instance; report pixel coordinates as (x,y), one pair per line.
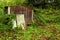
(27,11)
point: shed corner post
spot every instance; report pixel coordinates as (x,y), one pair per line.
(8,10)
(32,15)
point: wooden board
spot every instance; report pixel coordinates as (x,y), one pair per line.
(27,11)
(20,20)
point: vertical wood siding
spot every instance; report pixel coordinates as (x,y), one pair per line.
(27,11)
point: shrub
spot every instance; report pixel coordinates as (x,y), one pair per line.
(6,22)
(38,18)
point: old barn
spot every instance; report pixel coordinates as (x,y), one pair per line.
(23,13)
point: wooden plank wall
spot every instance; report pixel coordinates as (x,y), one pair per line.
(27,11)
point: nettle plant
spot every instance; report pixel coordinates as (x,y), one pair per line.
(6,21)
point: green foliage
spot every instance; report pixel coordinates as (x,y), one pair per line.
(35,2)
(6,22)
(31,33)
(11,2)
(51,15)
(40,20)
(42,17)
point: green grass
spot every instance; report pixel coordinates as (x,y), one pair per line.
(31,33)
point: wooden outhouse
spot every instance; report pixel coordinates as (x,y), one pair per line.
(21,10)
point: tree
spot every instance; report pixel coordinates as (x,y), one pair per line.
(35,2)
